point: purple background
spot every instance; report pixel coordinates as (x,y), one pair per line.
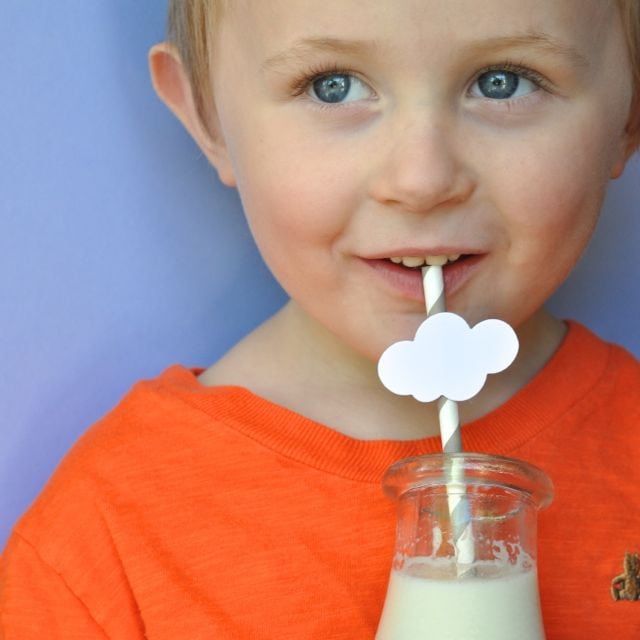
(120,254)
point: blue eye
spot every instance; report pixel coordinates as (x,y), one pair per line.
(338,87)
(333,88)
(500,84)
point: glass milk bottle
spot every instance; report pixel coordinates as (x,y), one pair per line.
(465,559)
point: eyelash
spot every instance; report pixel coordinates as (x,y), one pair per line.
(519,69)
(301,84)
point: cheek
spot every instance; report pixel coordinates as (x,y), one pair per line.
(558,188)
(291,188)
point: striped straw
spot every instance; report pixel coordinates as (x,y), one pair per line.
(433,284)
(435,301)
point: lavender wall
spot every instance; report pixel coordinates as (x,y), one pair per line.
(121,254)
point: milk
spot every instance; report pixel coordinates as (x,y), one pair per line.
(505,607)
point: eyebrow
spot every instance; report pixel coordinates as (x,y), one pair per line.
(308,46)
(540,41)
(543,42)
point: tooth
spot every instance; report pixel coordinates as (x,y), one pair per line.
(396,260)
(436,261)
(412,261)
(453,257)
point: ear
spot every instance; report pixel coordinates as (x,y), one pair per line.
(171,82)
(628,147)
(630,140)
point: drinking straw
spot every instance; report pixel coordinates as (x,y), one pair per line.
(433,284)
(435,302)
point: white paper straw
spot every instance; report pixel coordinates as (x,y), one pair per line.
(435,302)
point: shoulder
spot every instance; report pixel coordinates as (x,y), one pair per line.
(140,427)
(68,552)
(588,384)
(597,359)
(608,377)
(160,447)
(145,439)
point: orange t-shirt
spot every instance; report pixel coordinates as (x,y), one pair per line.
(195,512)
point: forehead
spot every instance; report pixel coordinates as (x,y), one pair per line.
(282,19)
(588,33)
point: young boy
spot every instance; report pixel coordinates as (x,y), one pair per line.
(244,501)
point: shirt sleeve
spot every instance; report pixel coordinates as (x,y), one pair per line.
(35,602)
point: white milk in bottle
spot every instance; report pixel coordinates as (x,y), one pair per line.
(467,608)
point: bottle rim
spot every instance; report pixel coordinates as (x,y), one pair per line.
(471,469)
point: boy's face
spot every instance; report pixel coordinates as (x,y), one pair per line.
(361,130)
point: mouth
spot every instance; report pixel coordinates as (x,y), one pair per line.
(417,262)
(403,273)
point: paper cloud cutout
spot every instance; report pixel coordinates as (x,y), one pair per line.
(447,358)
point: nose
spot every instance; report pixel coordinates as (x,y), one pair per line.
(421,168)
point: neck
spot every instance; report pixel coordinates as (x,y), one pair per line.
(295,362)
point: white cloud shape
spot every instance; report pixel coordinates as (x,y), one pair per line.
(447,358)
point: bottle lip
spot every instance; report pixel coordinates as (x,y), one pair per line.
(470,469)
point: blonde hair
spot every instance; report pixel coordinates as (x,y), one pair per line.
(191,28)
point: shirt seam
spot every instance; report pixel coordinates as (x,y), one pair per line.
(231,423)
(116,552)
(62,579)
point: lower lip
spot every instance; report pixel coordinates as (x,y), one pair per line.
(408,282)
